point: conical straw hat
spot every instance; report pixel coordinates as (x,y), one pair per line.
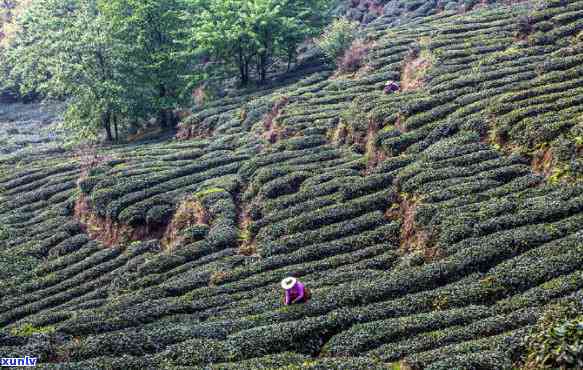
(288,283)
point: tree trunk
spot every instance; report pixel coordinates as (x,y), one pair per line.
(245,73)
(242,71)
(162,115)
(162,118)
(263,67)
(116,129)
(290,58)
(106,119)
(258,66)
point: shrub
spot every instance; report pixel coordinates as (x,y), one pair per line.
(27,330)
(3,232)
(362,337)
(557,339)
(523,26)
(336,38)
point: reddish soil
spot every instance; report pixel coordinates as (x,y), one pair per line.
(274,132)
(543,162)
(374,154)
(339,134)
(188,132)
(247,247)
(109,232)
(112,233)
(399,123)
(413,73)
(372,6)
(189,213)
(413,238)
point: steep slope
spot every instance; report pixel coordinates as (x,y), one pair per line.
(433,225)
(28,131)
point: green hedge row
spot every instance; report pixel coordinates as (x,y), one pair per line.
(540,265)
(294,211)
(69,269)
(117,362)
(485,169)
(306,193)
(43,193)
(496,359)
(497,343)
(249,168)
(327,233)
(283,185)
(363,337)
(396,146)
(345,255)
(548,213)
(135,342)
(544,293)
(336,250)
(20,180)
(67,246)
(514,186)
(501,175)
(71,288)
(134,206)
(430,340)
(170,180)
(328,215)
(63,262)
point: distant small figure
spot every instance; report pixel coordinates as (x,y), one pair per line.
(391,87)
(295,292)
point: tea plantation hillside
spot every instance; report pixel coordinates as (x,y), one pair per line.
(434,226)
(28,131)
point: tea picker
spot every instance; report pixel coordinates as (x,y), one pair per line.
(295,291)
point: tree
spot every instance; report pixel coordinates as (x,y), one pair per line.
(114,61)
(64,50)
(156,29)
(251,33)
(302,20)
(337,38)
(122,61)
(9,10)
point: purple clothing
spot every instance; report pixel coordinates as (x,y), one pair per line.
(391,87)
(296,292)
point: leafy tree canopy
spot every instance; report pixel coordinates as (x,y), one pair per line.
(122,61)
(249,35)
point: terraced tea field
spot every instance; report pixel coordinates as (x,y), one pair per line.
(28,131)
(433,225)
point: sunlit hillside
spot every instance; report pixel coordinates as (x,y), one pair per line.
(434,225)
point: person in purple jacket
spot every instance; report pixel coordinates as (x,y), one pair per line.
(295,292)
(391,87)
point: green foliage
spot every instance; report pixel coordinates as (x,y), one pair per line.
(204,193)
(66,50)
(28,329)
(157,31)
(115,62)
(337,37)
(505,244)
(250,34)
(557,339)
(4,234)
